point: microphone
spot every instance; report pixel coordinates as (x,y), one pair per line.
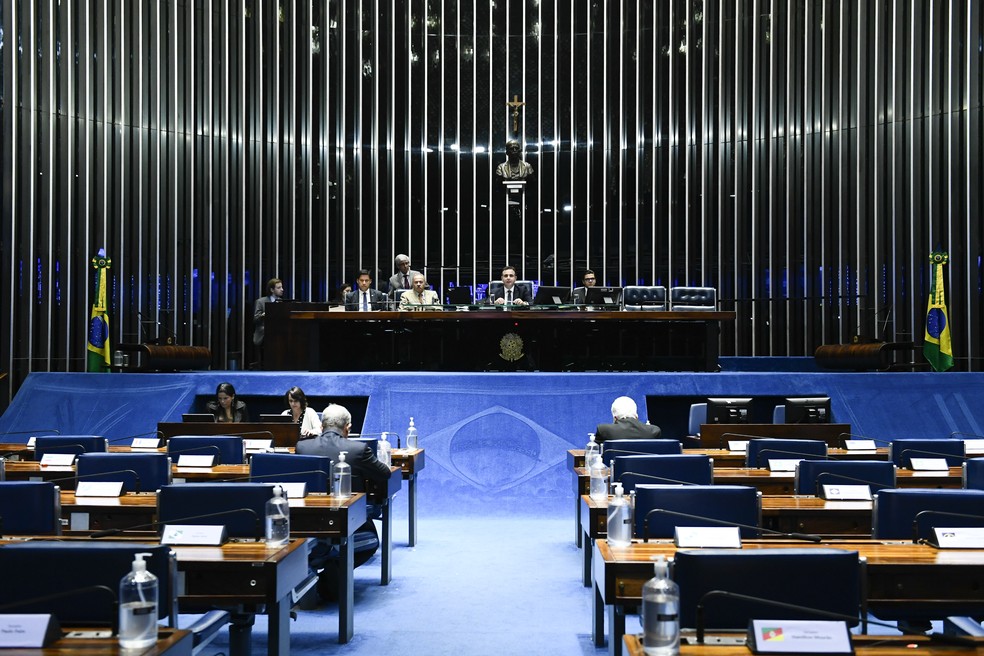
(902,455)
(320,472)
(656,478)
(816,483)
(205,447)
(844,437)
(159,435)
(116,531)
(939,513)
(807,537)
(971,435)
(605,452)
(114,616)
(136,477)
(802,456)
(32,431)
(64,446)
(721,439)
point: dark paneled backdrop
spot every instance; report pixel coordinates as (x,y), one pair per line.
(803,157)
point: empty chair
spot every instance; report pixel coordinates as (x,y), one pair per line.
(779,414)
(973,474)
(315,471)
(139,472)
(228,449)
(662,469)
(761,450)
(693,299)
(614,448)
(29,508)
(812,474)
(824,579)
(76,444)
(239,506)
(698,416)
(639,298)
(912,513)
(901,452)
(727,503)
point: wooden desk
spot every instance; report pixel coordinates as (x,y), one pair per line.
(716,436)
(281,434)
(410,462)
(896,574)
(170,642)
(864,645)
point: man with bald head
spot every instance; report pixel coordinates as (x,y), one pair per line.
(626,424)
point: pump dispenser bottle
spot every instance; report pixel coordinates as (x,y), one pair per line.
(341,478)
(138,606)
(277,520)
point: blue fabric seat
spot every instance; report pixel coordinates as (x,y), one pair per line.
(729,503)
(902,451)
(641,298)
(615,448)
(229,449)
(29,508)
(973,474)
(292,468)
(140,472)
(761,450)
(662,469)
(182,503)
(894,512)
(693,299)
(698,416)
(811,474)
(76,444)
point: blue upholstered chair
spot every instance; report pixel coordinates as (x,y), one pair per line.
(292,468)
(77,444)
(698,416)
(761,450)
(640,298)
(825,579)
(902,451)
(693,299)
(973,474)
(811,474)
(229,449)
(729,503)
(140,472)
(779,414)
(496,285)
(901,514)
(176,504)
(662,469)
(615,448)
(29,508)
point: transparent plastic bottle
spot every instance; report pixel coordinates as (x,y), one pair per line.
(277,519)
(411,435)
(138,606)
(619,519)
(341,477)
(598,488)
(592,450)
(384,450)
(661,613)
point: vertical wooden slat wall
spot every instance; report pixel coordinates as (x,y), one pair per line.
(801,156)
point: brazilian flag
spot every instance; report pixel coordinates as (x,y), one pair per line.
(937,347)
(97,350)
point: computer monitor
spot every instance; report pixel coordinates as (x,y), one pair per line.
(198,418)
(602,295)
(458,296)
(276,419)
(546,295)
(728,410)
(808,410)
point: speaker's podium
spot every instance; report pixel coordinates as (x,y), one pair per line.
(514,186)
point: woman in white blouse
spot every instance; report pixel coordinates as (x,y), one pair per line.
(301,414)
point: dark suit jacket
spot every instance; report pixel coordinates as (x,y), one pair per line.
(519,292)
(377,300)
(626,429)
(357,454)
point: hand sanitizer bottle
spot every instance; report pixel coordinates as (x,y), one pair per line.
(277,522)
(661,613)
(619,519)
(411,435)
(341,478)
(383,450)
(591,450)
(138,606)
(598,488)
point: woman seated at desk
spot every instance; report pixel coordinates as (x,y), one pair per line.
(301,414)
(226,408)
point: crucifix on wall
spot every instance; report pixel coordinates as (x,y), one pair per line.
(515,103)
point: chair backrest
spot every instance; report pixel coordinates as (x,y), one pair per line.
(615,448)
(69,444)
(740,504)
(761,450)
(636,298)
(825,579)
(38,568)
(662,469)
(902,451)
(690,299)
(30,508)
(496,286)
(894,512)
(140,472)
(779,414)
(178,504)
(973,474)
(698,416)
(292,468)
(811,474)
(230,449)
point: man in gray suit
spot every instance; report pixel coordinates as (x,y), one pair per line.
(626,426)
(403,278)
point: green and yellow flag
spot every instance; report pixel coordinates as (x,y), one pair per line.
(98,356)
(937,347)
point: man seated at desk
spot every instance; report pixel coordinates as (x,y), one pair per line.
(626,426)
(336,422)
(589,280)
(511,293)
(365,299)
(419,297)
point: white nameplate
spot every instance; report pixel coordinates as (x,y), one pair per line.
(58,459)
(782,465)
(294,490)
(738,445)
(99,489)
(860,445)
(31,441)
(185,460)
(145,443)
(28,630)
(966,537)
(799,637)
(930,464)
(202,535)
(846,492)
(257,445)
(973,447)
(720,537)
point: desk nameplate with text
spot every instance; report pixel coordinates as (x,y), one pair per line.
(185,460)
(194,534)
(99,489)
(254,444)
(738,446)
(782,464)
(973,447)
(860,445)
(145,443)
(929,464)
(964,537)
(58,459)
(707,537)
(28,630)
(846,492)
(799,637)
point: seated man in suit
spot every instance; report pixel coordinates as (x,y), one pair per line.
(511,293)
(625,416)
(419,297)
(365,299)
(589,280)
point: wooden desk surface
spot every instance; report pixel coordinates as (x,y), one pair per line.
(726,458)
(864,645)
(170,642)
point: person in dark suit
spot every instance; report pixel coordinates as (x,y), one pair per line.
(403,278)
(511,293)
(589,280)
(365,299)
(275,293)
(626,424)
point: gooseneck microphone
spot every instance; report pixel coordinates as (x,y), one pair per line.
(800,455)
(159,434)
(136,477)
(905,455)
(320,472)
(232,511)
(806,537)
(605,452)
(938,513)
(216,451)
(844,437)
(662,479)
(114,616)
